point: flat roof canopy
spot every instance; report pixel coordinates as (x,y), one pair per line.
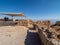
(12,14)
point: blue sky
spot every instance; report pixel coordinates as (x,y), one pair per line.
(34,9)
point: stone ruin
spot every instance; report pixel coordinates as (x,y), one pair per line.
(45,24)
(49,35)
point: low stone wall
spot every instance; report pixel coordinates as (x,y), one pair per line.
(7,23)
(14,23)
(23,23)
(43,38)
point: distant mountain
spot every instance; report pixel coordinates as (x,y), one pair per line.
(54,21)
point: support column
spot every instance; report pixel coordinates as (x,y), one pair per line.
(12,18)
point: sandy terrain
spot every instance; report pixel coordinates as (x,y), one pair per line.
(12,35)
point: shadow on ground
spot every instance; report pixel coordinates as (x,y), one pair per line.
(32,38)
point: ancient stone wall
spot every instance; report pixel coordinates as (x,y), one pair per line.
(43,38)
(31,24)
(45,24)
(15,23)
(23,22)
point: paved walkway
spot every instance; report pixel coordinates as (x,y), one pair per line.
(10,35)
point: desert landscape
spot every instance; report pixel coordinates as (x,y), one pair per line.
(29,22)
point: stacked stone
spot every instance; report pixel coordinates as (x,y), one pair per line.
(23,22)
(49,35)
(45,24)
